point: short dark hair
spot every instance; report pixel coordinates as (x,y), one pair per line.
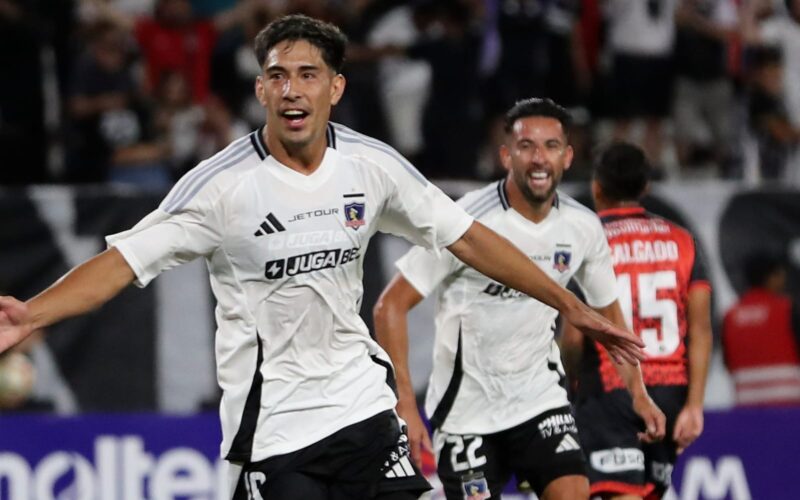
(536,106)
(622,171)
(760,265)
(325,36)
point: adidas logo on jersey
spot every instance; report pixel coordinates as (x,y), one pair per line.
(568,443)
(269,226)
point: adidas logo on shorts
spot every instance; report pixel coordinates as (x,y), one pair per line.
(402,468)
(568,443)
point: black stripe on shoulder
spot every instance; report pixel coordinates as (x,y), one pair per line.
(242,445)
(331,136)
(449,396)
(257,139)
(501,192)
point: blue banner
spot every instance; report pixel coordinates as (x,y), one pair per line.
(742,455)
(110,457)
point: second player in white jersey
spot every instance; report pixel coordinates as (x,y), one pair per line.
(495,399)
(498,341)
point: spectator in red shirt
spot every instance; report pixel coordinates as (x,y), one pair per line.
(761,337)
(174,40)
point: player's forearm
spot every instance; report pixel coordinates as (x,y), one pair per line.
(631,375)
(83,289)
(571,347)
(700,343)
(391,332)
(699,356)
(497,258)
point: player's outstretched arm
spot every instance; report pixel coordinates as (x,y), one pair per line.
(499,259)
(654,419)
(81,290)
(391,330)
(689,424)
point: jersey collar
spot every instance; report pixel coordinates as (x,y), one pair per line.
(621,211)
(502,192)
(257,140)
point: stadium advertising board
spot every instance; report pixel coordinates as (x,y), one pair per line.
(743,454)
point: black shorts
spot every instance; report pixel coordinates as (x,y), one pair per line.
(365,460)
(618,462)
(536,452)
(641,87)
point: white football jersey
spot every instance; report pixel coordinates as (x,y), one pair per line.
(284,251)
(495,361)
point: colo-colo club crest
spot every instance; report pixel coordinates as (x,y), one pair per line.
(562,258)
(354,215)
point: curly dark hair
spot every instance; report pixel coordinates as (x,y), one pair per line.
(536,106)
(622,171)
(326,37)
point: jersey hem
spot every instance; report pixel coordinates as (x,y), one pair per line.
(259,454)
(479,430)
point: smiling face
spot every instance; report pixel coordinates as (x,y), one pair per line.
(536,154)
(297,89)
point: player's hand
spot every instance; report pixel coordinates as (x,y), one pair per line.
(418,438)
(688,426)
(622,345)
(655,423)
(14,322)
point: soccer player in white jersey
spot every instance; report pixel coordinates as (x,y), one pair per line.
(282,218)
(496,399)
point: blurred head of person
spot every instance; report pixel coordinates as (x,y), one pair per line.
(174,90)
(173,12)
(793,8)
(765,270)
(766,68)
(108,46)
(621,176)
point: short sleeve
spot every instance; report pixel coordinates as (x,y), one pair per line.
(417,210)
(699,274)
(163,240)
(596,275)
(425,269)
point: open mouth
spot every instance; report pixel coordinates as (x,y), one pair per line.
(294,117)
(538,179)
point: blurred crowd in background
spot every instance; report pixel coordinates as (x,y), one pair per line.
(139,91)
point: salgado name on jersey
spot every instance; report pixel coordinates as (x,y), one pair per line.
(307,262)
(643,251)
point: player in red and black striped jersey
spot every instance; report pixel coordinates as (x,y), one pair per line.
(665,297)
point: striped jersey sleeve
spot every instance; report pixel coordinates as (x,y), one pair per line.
(189,222)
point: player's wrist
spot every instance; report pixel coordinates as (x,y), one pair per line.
(693,406)
(568,304)
(640,397)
